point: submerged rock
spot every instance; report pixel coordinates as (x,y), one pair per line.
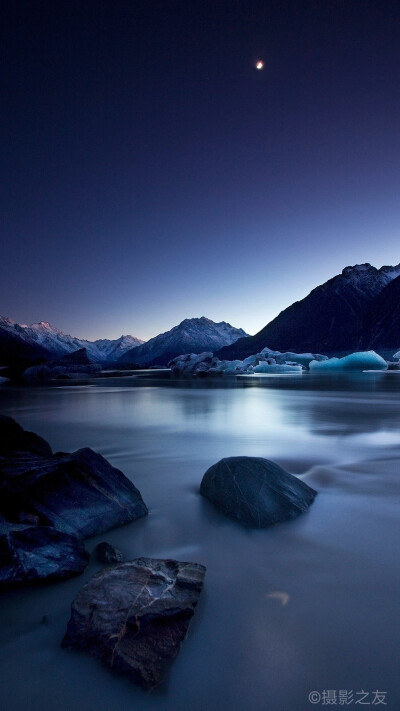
(107,553)
(31,554)
(135,616)
(79,493)
(255,491)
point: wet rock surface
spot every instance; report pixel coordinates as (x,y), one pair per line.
(30,554)
(78,493)
(107,553)
(48,501)
(13,439)
(255,491)
(135,616)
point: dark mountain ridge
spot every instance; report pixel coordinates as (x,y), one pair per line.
(381,327)
(336,317)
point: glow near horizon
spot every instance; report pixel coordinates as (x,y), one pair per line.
(252,316)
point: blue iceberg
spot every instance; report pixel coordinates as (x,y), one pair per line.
(364,360)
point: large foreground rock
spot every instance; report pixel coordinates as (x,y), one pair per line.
(255,491)
(49,501)
(31,554)
(135,616)
(15,439)
(78,493)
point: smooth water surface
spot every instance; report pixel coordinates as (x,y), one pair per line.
(250,648)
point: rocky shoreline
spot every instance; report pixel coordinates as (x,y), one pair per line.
(133,615)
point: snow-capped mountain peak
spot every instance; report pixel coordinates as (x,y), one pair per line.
(366,272)
(192,335)
(44,326)
(55,341)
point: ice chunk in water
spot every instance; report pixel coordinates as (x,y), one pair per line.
(276,368)
(363,360)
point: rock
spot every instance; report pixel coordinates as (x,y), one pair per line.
(78,357)
(106,553)
(14,439)
(78,493)
(31,519)
(37,374)
(255,491)
(42,373)
(36,553)
(135,616)
(71,364)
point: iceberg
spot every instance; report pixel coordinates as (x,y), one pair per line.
(273,362)
(301,358)
(277,368)
(190,361)
(231,366)
(363,360)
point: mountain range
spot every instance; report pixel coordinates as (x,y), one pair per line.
(357,309)
(193,335)
(41,340)
(45,342)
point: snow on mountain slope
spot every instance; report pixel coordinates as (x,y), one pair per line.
(14,348)
(112,350)
(46,336)
(190,336)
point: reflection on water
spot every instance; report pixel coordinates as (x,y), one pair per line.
(311,604)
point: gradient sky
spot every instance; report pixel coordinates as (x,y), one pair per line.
(150,173)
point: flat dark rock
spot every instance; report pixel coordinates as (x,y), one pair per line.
(256,491)
(134,616)
(78,493)
(31,554)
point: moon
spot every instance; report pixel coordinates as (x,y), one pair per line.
(280,595)
(259,64)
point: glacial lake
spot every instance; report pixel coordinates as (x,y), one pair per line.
(307,606)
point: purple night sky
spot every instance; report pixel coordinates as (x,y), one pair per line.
(151,173)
